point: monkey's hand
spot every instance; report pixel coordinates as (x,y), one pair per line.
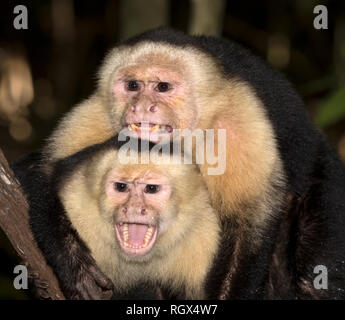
(90,284)
(80,277)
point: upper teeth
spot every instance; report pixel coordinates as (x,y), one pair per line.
(133,126)
(155,127)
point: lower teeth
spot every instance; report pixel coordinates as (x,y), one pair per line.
(147,238)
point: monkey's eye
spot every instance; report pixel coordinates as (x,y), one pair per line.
(152,188)
(133,85)
(163,86)
(121,187)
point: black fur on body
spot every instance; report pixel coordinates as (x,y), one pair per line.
(307,231)
(295,242)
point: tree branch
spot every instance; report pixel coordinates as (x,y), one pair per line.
(14,221)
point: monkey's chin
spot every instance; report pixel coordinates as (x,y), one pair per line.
(136,239)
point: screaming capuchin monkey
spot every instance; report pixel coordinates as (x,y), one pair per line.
(143,231)
(280,203)
(143,223)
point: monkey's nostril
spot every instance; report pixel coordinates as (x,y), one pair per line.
(124,210)
(153,108)
(143,211)
(133,108)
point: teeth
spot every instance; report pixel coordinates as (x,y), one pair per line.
(151,127)
(147,237)
(155,127)
(125,233)
(149,232)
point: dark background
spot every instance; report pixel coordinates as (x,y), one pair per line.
(51,66)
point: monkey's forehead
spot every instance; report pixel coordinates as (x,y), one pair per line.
(153,52)
(187,59)
(149,170)
(141,174)
(149,71)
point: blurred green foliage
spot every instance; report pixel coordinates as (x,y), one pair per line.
(332,109)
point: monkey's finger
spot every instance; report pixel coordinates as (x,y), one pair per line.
(107,295)
(84,295)
(100,278)
(81,292)
(94,292)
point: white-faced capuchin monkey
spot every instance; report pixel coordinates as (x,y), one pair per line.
(143,223)
(281,199)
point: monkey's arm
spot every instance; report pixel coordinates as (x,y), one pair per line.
(319,233)
(79,276)
(89,118)
(309,256)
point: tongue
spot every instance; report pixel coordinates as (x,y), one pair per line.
(136,233)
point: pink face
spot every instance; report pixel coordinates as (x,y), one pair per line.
(154,100)
(139,202)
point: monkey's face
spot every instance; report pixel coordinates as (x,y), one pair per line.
(152,89)
(141,212)
(152,101)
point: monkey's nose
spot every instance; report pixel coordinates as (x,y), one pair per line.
(133,108)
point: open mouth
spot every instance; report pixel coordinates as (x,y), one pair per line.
(136,238)
(150,127)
